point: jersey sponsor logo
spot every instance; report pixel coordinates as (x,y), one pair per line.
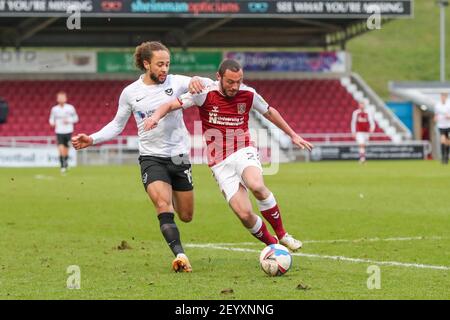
(241,108)
(213,114)
(169,91)
(144,115)
(141,114)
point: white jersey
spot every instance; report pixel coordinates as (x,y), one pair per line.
(442,112)
(63,118)
(170,137)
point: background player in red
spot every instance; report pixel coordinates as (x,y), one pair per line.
(224,109)
(362,126)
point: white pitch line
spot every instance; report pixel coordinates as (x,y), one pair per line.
(340,240)
(376,239)
(317,256)
(43,177)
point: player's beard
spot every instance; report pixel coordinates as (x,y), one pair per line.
(229,93)
(156,79)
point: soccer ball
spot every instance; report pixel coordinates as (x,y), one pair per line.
(275,260)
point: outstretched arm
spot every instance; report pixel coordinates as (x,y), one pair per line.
(275,117)
(110,131)
(161,112)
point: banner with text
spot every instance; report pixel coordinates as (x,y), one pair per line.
(373,152)
(181,61)
(205,8)
(33,157)
(37,61)
(320,62)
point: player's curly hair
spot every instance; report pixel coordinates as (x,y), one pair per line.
(145,50)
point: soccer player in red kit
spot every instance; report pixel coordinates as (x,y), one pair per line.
(362,126)
(224,108)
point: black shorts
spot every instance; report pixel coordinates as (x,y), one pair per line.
(176,171)
(444,132)
(63,139)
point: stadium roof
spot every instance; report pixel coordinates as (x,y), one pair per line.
(247,23)
(420,93)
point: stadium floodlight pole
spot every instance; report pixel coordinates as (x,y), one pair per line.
(443,4)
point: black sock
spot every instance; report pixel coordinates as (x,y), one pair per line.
(170,232)
(444,153)
(61,161)
(447,152)
(66,161)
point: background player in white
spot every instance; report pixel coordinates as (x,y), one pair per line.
(224,110)
(362,126)
(442,119)
(62,117)
(164,160)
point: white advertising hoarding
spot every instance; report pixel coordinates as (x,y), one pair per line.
(36,61)
(33,157)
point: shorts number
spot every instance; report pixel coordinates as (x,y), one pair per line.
(188,173)
(252,156)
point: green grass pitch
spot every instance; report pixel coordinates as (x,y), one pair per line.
(389,212)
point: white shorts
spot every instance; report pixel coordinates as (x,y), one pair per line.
(228,173)
(362,137)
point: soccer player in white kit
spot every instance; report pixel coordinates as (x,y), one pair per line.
(442,119)
(62,117)
(224,109)
(362,126)
(164,153)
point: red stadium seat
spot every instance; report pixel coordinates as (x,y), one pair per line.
(310,106)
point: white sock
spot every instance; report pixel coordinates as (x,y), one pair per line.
(266,204)
(257,226)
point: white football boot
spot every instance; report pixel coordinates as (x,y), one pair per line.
(290,242)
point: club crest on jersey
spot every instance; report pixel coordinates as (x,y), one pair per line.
(169,91)
(241,108)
